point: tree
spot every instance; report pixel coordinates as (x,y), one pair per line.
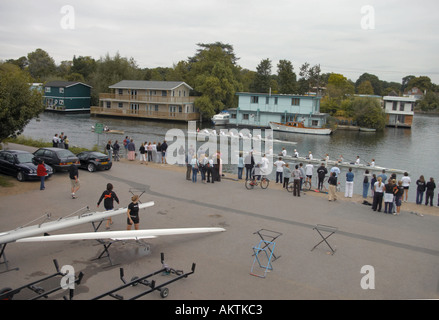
(286,77)
(41,65)
(263,77)
(18,102)
(430,102)
(368,113)
(365,88)
(338,86)
(423,83)
(214,77)
(84,66)
(374,81)
(311,78)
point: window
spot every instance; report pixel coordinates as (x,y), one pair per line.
(61,90)
(295,101)
(315,123)
(120,91)
(395,106)
(233,115)
(401,106)
(275,100)
(267,100)
(164,93)
(120,104)
(245,116)
(254,99)
(61,102)
(47,89)
(108,104)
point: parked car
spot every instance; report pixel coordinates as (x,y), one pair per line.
(93,160)
(58,159)
(20,164)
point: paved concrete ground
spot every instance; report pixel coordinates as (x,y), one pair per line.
(403,250)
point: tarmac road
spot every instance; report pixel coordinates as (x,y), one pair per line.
(377,256)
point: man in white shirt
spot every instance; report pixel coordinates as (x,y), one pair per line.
(308,172)
(279,164)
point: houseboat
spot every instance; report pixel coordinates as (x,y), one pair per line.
(399,111)
(164,100)
(259,109)
(67,96)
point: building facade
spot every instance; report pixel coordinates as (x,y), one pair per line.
(259,109)
(165,100)
(67,96)
(399,111)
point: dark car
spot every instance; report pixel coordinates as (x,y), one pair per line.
(20,164)
(93,160)
(58,159)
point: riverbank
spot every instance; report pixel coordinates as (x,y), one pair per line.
(224,260)
(410,207)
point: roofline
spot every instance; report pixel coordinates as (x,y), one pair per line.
(127,87)
(67,86)
(277,95)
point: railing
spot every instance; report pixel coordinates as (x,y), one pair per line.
(146,98)
(178,116)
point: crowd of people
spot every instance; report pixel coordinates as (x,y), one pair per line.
(60,141)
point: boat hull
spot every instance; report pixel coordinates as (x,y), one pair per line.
(284,128)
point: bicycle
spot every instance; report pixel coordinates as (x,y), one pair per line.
(306,186)
(250,184)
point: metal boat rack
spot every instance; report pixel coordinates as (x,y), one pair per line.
(150,284)
(8,293)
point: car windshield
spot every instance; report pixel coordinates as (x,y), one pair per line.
(65,153)
(25,157)
(98,154)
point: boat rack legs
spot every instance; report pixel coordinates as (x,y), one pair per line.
(8,293)
(150,284)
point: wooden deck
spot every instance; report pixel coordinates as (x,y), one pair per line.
(173,116)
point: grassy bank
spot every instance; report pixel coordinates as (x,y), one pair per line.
(41,144)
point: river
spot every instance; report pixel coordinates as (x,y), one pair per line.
(415,150)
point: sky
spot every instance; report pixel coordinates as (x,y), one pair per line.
(391,38)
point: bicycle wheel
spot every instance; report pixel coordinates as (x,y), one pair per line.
(249,184)
(306,186)
(290,187)
(264,183)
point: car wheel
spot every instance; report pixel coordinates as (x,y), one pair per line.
(91,167)
(20,176)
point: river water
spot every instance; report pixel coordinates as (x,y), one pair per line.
(415,150)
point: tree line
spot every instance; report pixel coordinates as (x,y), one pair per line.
(215,75)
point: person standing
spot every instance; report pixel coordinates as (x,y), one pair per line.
(406,184)
(287,175)
(378,194)
(372,184)
(332,181)
(296,181)
(66,142)
(109,148)
(116,149)
(349,184)
(279,164)
(108,196)
(398,191)
(133,213)
(308,172)
(131,148)
(55,141)
(249,163)
(430,186)
(194,164)
(240,165)
(420,189)
(74,180)
(388,197)
(42,173)
(164,148)
(321,173)
(366,183)
(142,153)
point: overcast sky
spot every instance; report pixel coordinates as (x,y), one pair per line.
(390,38)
